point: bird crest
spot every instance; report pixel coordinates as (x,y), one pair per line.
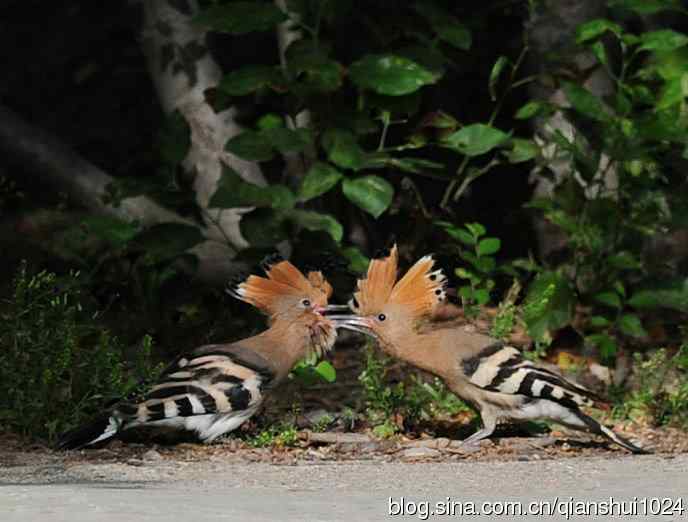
(420,290)
(282,280)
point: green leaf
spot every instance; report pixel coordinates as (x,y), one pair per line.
(390,74)
(605,344)
(264,228)
(232,191)
(357,261)
(596,28)
(248,79)
(481,296)
(476,229)
(663,40)
(457,233)
(522,150)
(310,62)
(326,371)
(532,109)
(343,149)
(610,299)
(495,73)
(645,7)
(672,296)
(371,193)
(631,325)
(241,17)
(489,246)
(110,229)
(269,121)
(447,27)
(548,305)
(251,145)
(586,103)
(597,321)
(315,221)
(289,141)
(475,139)
(624,261)
(166,241)
(320,178)
(673,92)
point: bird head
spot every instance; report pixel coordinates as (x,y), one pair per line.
(291,300)
(388,309)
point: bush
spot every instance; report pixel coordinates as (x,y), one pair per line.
(57,365)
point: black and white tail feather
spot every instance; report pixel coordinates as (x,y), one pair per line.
(503,371)
(205,395)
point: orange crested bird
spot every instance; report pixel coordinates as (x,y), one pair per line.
(214,389)
(495,379)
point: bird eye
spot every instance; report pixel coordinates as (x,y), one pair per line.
(306,302)
(381,317)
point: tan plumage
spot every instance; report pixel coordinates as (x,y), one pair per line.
(492,377)
(214,389)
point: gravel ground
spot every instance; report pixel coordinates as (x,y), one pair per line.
(331,476)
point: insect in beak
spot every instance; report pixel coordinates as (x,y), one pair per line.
(353,323)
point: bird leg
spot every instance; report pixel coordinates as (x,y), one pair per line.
(489,425)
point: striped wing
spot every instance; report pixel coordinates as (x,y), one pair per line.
(213,380)
(503,369)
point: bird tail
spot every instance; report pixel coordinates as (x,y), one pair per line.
(601,429)
(98,430)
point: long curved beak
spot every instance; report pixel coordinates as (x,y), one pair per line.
(354,323)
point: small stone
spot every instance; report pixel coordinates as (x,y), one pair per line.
(151,456)
(419,453)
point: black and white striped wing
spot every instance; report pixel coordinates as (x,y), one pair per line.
(211,391)
(503,369)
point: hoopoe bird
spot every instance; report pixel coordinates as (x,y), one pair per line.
(492,377)
(214,389)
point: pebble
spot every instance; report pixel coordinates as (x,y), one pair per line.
(419,453)
(152,456)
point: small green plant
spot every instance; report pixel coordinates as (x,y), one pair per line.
(661,395)
(281,435)
(411,401)
(478,252)
(57,366)
(323,423)
(310,371)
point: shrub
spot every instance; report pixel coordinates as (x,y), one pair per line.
(57,365)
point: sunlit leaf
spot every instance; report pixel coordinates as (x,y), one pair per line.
(495,74)
(596,28)
(585,102)
(320,178)
(343,149)
(663,40)
(522,150)
(390,74)
(476,139)
(371,193)
(489,246)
